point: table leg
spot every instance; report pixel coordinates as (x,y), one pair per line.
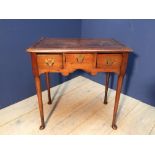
(118,91)
(106,87)
(40,103)
(48,88)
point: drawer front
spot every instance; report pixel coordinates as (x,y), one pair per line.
(109,61)
(79,61)
(49,62)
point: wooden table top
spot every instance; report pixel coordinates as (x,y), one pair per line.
(59,45)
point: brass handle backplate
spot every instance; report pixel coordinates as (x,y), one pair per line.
(49,62)
(80,58)
(108,62)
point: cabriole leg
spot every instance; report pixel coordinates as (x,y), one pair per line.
(106,87)
(40,103)
(118,91)
(48,88)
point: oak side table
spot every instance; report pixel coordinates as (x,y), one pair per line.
(67,55)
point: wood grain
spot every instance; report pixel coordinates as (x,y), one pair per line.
(71,45)
(78,110)
(68,55)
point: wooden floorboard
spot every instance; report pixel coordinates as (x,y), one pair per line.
(77,108)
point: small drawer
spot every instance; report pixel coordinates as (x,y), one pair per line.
(109,61)
(79,61)
(49,62)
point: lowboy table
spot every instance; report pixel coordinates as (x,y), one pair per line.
(68,55)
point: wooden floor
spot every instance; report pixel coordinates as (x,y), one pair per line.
(78,108)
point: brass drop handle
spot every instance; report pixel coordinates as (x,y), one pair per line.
(49,62)
(109,62)
(80,58)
